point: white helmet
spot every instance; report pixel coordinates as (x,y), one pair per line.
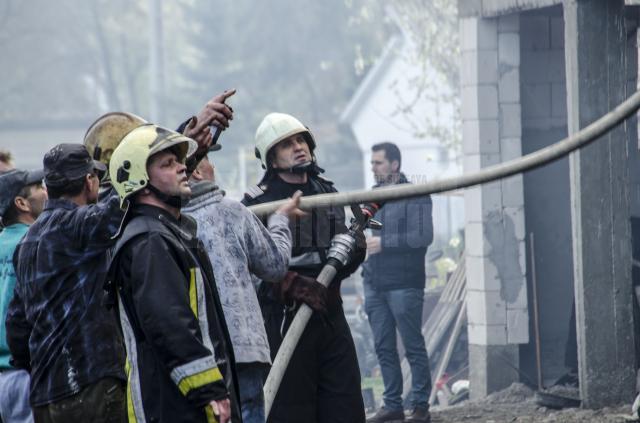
(274,128)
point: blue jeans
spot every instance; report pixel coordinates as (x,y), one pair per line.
(399,309)
(251,378)
(14,397)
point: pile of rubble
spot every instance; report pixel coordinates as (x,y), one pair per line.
(518,404)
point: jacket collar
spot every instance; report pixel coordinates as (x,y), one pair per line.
(204,192)
(59,203)
(402,179)
(184,227)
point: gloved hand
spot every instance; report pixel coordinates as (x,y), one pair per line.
(296,287)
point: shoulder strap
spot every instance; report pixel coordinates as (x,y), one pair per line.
(255,191)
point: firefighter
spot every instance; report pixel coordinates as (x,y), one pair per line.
(322,381)
(179,357)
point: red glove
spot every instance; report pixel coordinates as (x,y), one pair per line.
(299,288)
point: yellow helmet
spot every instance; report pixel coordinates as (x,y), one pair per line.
(104,135)
(274,128)
(128,166)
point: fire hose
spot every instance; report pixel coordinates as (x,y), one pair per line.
(341,246)
(522,164)
(339,255)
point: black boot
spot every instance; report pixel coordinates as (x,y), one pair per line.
(419,415)
(385,415)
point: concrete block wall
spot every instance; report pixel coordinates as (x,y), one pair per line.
(544,121)
(492,130)
(543,71)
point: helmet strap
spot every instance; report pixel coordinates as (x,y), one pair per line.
(309,167)
(174,201)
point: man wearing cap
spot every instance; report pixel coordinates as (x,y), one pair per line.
(57,325)
(22,199)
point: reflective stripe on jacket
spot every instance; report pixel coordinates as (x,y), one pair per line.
(179,356)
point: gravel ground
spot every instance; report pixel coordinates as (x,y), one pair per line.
(517,404)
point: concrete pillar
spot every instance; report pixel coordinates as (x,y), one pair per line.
(595,49)
(494,213)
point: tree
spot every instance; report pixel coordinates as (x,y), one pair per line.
(303,57)
(432,28)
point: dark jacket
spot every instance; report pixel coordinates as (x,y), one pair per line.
(311,234)
(406,233)
(322,382)
(178,350)
(57,324)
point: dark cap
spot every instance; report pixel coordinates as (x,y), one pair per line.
(12,182)
(69,162)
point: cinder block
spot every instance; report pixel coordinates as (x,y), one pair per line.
(520,300)
(470,137)
(509,23)
(510,120)
(474,162)
(475,241)
(481,201)
(478,34)
(487,34)
(509,49)
(479,67)
(516,214)
(471,163)
(534,66)
(512,191)
(510,148)
(509,85)
(468,30)
(485,275)
(487,102)
(487,335)
(473,205)
(469,68)
(559,100)
(480,136)
(545,123)
(536,100)
(557,70)
(487,70)
(469,97)
(494,235)
(491,199)
(486,308)
(534,30)
(557,33)
(518,326)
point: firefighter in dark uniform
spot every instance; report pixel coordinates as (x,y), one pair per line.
(322,381)
(180,365)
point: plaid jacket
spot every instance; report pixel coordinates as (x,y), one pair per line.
(57,325)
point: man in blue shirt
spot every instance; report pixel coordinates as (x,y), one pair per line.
(22,199)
